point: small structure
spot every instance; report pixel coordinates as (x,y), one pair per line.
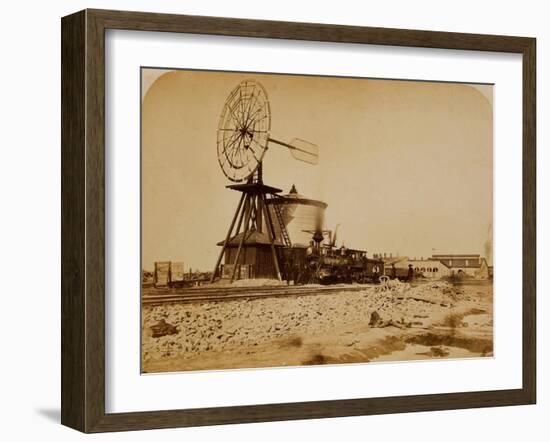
(161,276)
(466,265)
(430,268)
(177,271)
(255,258)
(167,272)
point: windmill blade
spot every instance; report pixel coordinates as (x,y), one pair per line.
(301,150)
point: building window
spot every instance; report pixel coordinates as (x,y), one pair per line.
(422,269)
(436,270)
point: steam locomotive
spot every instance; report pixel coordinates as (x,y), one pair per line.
(326,264)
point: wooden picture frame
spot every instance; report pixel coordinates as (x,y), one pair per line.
(83,220)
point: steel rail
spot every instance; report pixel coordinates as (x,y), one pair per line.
(235,293)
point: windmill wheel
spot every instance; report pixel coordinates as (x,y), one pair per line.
(243,130)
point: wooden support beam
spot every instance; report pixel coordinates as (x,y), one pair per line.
(228,236)
(245,231)
(271,232)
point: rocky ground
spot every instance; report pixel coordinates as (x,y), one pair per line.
(396,321)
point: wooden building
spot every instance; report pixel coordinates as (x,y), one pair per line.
(255,259)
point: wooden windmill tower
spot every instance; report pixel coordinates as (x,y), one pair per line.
(242,140)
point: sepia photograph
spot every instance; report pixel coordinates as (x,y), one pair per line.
(297,220)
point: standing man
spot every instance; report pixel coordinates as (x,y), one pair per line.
(288,270)
(410,273)
(375,273)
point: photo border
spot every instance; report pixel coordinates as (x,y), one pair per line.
(83,219)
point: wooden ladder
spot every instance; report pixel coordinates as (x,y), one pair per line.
(276,203)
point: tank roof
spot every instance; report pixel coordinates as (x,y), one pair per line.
(293,197)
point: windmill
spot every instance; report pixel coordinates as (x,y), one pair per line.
(243,137)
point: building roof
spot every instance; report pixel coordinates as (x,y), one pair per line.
(253,238)
(450,256)
(469,266)
(477,261)
(416,261)
(425,260)
(392,259)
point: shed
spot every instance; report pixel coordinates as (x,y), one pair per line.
(255,260)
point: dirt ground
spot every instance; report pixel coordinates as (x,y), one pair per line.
(396,322)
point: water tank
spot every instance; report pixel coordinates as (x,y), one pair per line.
(301,216)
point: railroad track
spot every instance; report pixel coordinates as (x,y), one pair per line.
(212,294)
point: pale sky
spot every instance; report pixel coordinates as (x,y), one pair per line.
(405,167)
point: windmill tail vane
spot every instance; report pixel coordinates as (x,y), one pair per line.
(301,150)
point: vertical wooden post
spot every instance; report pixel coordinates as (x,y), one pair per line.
(245,231)
(260,202)
(243,211)
(259,213)
(227,237)
(271,233)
